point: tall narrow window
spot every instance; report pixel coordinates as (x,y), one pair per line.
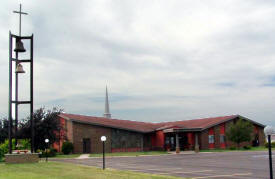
(222,138)
(211,139)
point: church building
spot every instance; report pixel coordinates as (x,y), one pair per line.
(131,136)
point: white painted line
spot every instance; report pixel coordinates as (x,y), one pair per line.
(143,171)
(199,171)
(235,174)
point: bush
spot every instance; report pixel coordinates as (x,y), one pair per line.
(272,144)
(24,144)
(246,147)
(4,148)
(50,152)
(232,148)
(67,148)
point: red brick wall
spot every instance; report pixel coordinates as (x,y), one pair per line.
(217,136)
(191,140)
(62,134)
(211,131)
(221,129)
(69,129)
(158,140)
(261,136)
(138,149)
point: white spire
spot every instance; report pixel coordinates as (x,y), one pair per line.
(107,110)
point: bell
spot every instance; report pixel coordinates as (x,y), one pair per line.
(19,69)
(19,46)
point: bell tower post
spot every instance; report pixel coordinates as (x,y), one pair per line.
(16,61)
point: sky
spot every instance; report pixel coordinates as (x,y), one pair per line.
(161,60)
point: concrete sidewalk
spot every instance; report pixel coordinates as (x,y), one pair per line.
(83,156)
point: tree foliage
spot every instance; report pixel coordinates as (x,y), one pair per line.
(4,129)
(47,125)
(240,132)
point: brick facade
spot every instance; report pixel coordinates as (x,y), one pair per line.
(203,137)
(22,158)
(122,135)
(94,133)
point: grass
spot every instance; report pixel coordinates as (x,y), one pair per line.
(56,170)
(67,156)
(260,148)
(130,153)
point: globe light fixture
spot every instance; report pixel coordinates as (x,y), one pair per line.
(268,130)
(47,140)
(103,138)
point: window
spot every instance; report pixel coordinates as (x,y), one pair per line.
(222,138)
(211,139)
(167,140)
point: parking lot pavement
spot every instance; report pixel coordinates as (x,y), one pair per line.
(221,165)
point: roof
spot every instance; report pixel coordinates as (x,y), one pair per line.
(200,123)
(145,127)
(113,123)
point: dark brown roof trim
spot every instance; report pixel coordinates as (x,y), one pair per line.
(109,126)
(233,117)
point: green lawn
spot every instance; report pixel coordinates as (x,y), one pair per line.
(130,153)
(261,148)
(56,170)
(67,156)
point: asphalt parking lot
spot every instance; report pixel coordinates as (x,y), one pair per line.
(220,165)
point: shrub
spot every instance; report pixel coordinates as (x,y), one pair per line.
(246,147)
(24,144)
(272,144)
(50,152)
(4,148)
(53,152)
(232,148)
(67,147)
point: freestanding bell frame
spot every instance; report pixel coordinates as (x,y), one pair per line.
(14,99)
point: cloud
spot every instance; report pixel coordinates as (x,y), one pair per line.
(161,61)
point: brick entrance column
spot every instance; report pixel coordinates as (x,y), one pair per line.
(190,140)
(197,147)
(177,143)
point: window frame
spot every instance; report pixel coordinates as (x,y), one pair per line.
(211,139)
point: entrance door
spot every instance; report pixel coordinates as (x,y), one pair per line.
(86,145)
(255,142)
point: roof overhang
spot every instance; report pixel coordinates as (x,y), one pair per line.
(175,130)
(109,126)
(234,117)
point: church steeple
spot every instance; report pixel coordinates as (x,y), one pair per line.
(107,110)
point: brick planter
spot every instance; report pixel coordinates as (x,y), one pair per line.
(22,158)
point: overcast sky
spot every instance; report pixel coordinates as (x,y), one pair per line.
(161,60)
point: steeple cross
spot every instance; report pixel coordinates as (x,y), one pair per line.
(20,12)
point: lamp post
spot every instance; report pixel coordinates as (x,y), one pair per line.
(103,139)
(47,146)
(268,132)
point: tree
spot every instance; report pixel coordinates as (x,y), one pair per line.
(240,132)
(4,129)
(47,125)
